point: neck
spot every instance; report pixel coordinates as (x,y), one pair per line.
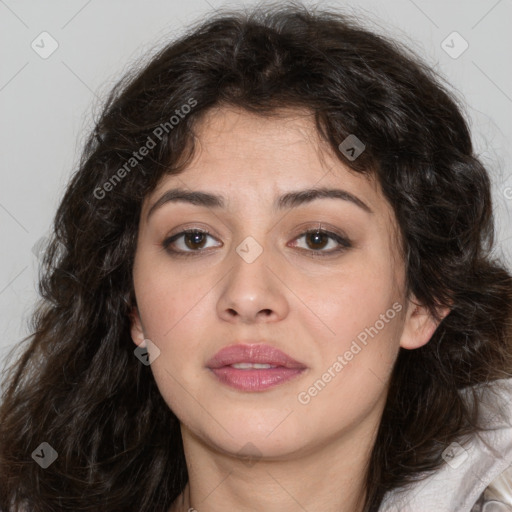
(329,478)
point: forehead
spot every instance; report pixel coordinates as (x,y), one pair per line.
(242,155)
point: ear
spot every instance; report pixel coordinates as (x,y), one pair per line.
(419,325)
(136,329)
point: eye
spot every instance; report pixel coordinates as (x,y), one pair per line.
(318,239)
(190,240)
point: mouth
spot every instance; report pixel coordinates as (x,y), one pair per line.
(253,367)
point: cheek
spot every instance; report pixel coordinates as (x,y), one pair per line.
(173,320)
(356,363)
(358,336)
(351,299)
(166,298)
(173,307)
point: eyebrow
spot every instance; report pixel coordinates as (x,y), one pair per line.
(289,200)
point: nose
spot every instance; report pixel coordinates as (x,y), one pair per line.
(252,291)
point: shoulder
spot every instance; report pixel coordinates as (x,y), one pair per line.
(497,496)
(477,469)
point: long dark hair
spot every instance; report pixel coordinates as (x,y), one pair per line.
(77,384)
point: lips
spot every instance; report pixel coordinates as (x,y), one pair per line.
(253,354)
(253,367)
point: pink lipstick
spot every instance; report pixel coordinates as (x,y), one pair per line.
(253,367)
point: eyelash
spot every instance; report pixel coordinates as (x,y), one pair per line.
(342,241)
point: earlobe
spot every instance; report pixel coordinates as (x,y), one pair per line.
(419,325)
(136,329)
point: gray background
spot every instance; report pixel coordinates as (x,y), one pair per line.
(46,104)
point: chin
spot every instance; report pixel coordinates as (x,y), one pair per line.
(264,437)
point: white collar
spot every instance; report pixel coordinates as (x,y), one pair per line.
(458,483)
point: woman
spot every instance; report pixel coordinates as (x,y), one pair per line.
(270,288)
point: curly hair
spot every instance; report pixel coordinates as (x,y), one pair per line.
(79,387)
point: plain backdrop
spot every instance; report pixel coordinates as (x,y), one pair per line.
(59,58)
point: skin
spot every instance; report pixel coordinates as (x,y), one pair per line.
(305,456)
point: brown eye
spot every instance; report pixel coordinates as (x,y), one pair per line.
(316,240)
(188,241)
(194,240)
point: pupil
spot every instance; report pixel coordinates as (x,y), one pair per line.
(194,238)
(317,237)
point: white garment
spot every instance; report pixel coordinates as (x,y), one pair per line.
(480,471)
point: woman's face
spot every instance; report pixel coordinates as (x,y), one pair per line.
(335,305)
